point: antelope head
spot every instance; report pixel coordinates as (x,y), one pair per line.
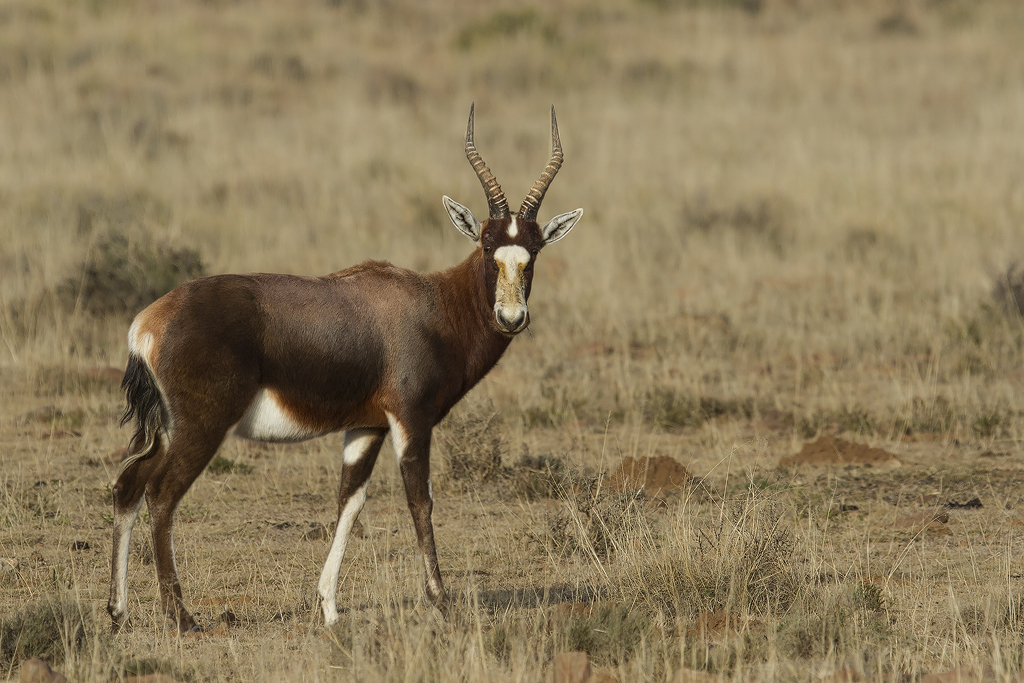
(509,244)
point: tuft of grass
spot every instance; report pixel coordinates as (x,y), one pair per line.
(762,222)
(825,621)
(124,274)
(1009,289)
(854,420)
(471,447)
(672,409)
(222,465)
(593,523)
(52,630)
(740,563)
(608,633)
(506,24)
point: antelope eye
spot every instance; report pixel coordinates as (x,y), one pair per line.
(535,251)
(487,250)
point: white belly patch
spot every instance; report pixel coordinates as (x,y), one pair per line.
(267,420)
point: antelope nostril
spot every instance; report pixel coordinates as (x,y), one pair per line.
(510,322)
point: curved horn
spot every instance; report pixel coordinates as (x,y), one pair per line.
(496,202)
(528,211)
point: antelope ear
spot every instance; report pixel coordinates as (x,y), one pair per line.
(559,226)
(463,218)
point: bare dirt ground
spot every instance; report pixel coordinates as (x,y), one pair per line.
(767,424)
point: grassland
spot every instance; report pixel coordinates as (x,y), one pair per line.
(801,220)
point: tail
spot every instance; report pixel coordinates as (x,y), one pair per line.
(146,407)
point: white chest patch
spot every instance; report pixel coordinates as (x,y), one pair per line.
(267,420)
(513,229)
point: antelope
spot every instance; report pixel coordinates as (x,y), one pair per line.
(371,350)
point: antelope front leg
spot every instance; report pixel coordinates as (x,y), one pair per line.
(359,456)
(412,448)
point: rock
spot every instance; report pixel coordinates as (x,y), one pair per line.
(570,667)
(37,671)
(655,476)
(972,504)
(828,450)
(80,545)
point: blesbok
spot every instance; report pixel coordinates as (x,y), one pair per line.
(370,349)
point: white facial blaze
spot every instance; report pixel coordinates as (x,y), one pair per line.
(513,229)
(510,292)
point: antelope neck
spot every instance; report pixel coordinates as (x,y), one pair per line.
(470,317)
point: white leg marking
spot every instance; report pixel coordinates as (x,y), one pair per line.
(267,420)
(357,443)
(399,437)
(328,586)
(123,524)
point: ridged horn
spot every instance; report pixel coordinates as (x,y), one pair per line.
(531,205)
(496,202)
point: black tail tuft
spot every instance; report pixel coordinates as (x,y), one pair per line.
(146,407)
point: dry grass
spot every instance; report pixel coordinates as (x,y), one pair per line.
(801,218)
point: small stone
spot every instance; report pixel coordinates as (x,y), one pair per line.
(571,667)
(37,671)
(80,545)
